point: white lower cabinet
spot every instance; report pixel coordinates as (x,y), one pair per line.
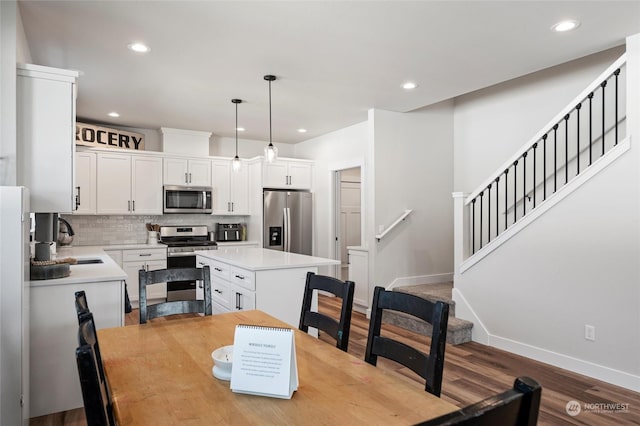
(232,288)
(53,338)
(278,292)
(150,259)
(359,274)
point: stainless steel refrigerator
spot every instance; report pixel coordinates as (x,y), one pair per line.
(288,221)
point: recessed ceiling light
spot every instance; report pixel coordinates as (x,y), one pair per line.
(240,129)
(567,25)
(139,47)
(114,114)
(409,85)
(302,130)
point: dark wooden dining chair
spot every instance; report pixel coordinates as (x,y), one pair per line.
(95,391)
(515,407)
(146,278)
(87,335)
(338,329)
(430,366)
(81,303)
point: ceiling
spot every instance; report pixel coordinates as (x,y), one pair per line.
(333,60)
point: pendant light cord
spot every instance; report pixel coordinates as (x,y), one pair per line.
(270,143)
(236,129)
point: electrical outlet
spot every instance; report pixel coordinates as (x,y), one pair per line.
(590,332)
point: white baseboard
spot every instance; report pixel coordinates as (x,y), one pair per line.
(420,279)
(479,332)
(600,372)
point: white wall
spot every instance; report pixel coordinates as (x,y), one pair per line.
(23,52)
(337,150)
(491,124)
(8,147)
(413,170)
(577,263)
(247,148)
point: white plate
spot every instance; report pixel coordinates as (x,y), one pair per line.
(220,374)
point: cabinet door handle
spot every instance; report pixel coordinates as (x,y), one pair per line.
(232,206)
(186,179)
(189,177)
(78,198)
(240,277)
(218,269)
(228,206)
(201,263)
(133,203)
(129,205)
(217,291)
(144,254)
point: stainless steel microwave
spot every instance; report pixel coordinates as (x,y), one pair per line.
(187,199)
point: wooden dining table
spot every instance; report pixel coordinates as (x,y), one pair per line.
(160,373)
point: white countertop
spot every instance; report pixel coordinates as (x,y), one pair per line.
(94,272)
(141,246)
(237,243)
(259,259)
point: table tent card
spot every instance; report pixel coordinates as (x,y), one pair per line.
(264,361)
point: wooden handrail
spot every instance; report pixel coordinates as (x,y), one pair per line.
(394,224)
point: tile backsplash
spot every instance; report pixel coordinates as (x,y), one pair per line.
(108,230)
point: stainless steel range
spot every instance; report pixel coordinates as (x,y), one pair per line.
(182,242)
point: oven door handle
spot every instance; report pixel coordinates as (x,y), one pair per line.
(181,254)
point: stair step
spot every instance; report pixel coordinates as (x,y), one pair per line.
(433,292)
(458,330)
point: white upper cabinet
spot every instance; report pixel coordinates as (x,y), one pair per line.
(129,184)
(146,189)
(189,172)
(46,114)
(231,196)
(85,190)
(288,174)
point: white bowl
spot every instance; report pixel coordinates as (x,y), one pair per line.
(223,359)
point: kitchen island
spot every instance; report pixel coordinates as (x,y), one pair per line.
(54,385)
(244,278)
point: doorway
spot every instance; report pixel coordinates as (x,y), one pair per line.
(349,215)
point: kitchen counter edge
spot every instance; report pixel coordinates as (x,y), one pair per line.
(108,270)
(260,259)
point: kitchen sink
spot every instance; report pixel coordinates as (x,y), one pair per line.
(89,261)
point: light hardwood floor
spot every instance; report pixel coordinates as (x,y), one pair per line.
(472,372)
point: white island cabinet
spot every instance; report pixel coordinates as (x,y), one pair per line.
(272,281)
(53,377)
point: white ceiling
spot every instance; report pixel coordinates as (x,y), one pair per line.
(334,60)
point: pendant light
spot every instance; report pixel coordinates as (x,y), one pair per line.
(270,151)
(236,164)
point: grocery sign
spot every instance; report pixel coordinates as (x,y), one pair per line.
(104,137)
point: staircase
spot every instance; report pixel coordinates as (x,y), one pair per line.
(458,330)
